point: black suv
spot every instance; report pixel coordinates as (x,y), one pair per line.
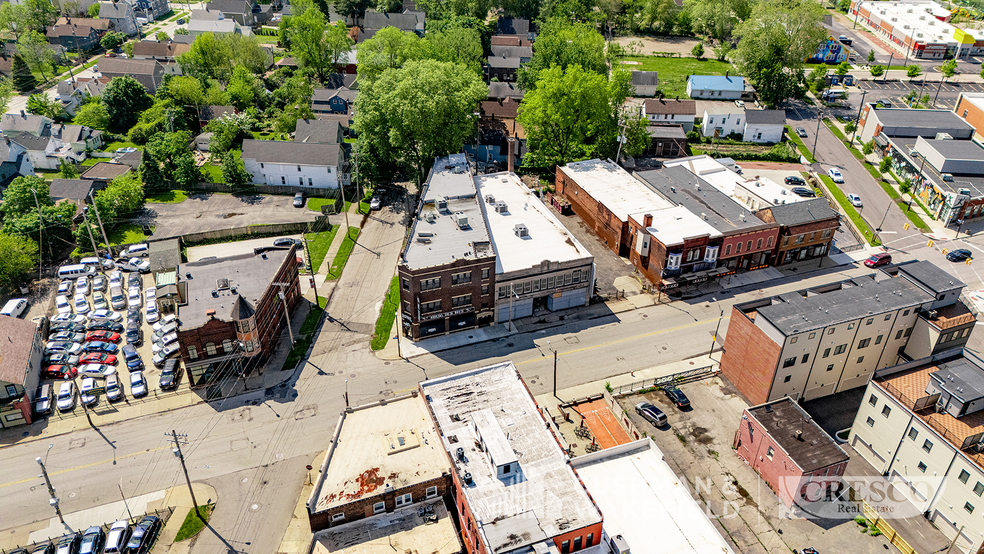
(170,375)
(677,397)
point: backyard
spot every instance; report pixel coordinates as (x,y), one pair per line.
(673,72)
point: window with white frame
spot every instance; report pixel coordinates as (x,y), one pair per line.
(404,499)
(711,253)
(431,492)
(338,517)
(379,507)
(673,261)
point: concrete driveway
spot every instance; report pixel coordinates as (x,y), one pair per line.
(214,211)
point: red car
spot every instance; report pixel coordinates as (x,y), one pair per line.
(59,372)
(97,358)
(878,260)
(103,336)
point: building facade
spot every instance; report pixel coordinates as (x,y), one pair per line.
(660,111)
(20,370)
(295,164)
(806,229)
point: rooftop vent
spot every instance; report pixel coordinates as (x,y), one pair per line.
(521,230)
(489,199)
(461,454)
(234,291)
(215,294)
(461,220)
(429,216)
(423,240)
(222,284)
(468,478)
(501,207)
(210,313)
(425,234)
(263,255)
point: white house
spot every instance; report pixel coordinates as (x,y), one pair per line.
(764,125)
(646,83)
(660,111)
(723,118)
(717,87)
(297,164)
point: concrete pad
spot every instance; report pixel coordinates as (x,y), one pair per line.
(226,249)
(641,300)
(453,340)
(628,284)
(750,278)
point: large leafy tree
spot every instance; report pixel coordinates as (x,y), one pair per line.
(470,8)
(458,44)
(565,115)
(401,119)
(123,196)
(19,197)
(13,19)
(150,172)
(124,99)
(318,45)
(775,40)
(208,58)
(177,162)
(564,44)
(34,48)
(18,255)
(112,40)
(41,14)
(353,8)
(94,115)
(718,18)
(248,52)
(388,48)
(229,131)
(42,104)
(234,171)
(24,80)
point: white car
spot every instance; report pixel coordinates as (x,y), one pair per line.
(138,385)
(82,285)
(165,353)
(105,315)
(168,319)
(855,200)
(116,279)
(99,301)
(164,341)
(114,391)
(85,392)
(835,175)
(100,371)
(133,297)
(142,265)
(69,317)
(81,304)
(64,307)
(152,313)
(66,396)
(151,293)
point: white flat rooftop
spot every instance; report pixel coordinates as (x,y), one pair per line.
(637,490)
(389,444)
(541,499)
(402,530)
(547,238)
(614,187)
(748,191)
(672,225)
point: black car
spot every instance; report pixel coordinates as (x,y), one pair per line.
(69,544)
(677,397)
(92,540)
(170,375)
(803,192)
(46,548)
(959,255)
(71,326)
(134,336)
(795,181)
(651,413)
(143,535)
(105,325)
(61,358)
(286,241)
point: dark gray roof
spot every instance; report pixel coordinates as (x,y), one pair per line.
(765,117)
(957,149)
(324,131)
(209,113)
(960,378)
(164,253)
(282,152)
(129,66)
(509,63)
(231,6)
(412,21)
(339,80)
(683,188)
(344,120)
(857,298)
(799,213)
(644,78)
(930,276)
(512,51)
(242,309)
(326,94)
(30,141)
(114,10)
(666,131)
(72,189)
(809,446)
(931,120)
(512,26)
(103,171)
(505,90)
(250,274)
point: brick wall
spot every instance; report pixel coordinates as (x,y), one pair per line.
(410,289)
(611,230)
(750,358)
(363,507)
(974,116)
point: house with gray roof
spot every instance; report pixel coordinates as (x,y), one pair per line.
(149,73)
(73,36)
(646,83)
(321,131)
(121,15)
(500,91)
(14,162)
(216,27)
(338,100)
(160,51)
(239,10)
(410,21)
(295,164)
(764,125)
(29,123)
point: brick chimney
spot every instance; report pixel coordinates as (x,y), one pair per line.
(647,220)
(511,166)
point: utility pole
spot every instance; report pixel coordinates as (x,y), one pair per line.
(52,500)
(817,135)
(40,234)
(341,187)
(88,226)
(283,298)
(177,452)
(555,370)
(109,249)
(128,514)
(857,121)
(621,141)
(311,265)
(892,57)
(716,329)
(857,12)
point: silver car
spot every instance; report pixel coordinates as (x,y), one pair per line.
(66,396)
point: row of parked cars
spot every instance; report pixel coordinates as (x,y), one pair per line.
(122,538)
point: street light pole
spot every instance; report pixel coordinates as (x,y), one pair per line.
(857,120)
(109,248)
(52,500)
(716,329)
(817,134)
(857,12)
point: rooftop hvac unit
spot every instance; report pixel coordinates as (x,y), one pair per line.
(423,234)
(521,230)
(424,240)
(461,220)
(489,199)
(501,207)
(441,203)
(429,216)
(619,545)
(944,136)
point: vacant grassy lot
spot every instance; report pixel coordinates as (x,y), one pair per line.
(318,245)
(673,72)
(168,197)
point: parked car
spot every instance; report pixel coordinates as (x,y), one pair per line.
(651,413)
(100,371)
(82,285)
(75,318)
(119,534)
(66,396)
(844,40)
(100,283)
(166,320)
(81,304)
(92,540)
(143,535)
(878,260)
(100,346)
(65,287)
(105,315)
(170,375)
(116,297)
(151,293)
(299,200)
(135,250)
(835,175)
(44,548)
(959,255)
(795,181)
(133,314)
(114,391)
(162,328)
(376,202)
(62,305)
(801,132)
(677,397)
(138,385)
(181,21)
(69,544)
(855,200)
(42,399)
(803,192)
(740,103)
(165,353)
(66,326)
(66,336)
(105,325)
(99,301)
(104,336)
(61,359)
(152,313)
(134,336)
(134,264)
(134,280)
(132,358)
(63,347)
(133,298)
(59,372)
(86,391)
(98,358)
(116,279)
(163,341)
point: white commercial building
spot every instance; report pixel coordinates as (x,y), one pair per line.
(917,29)
(722,119)
(752,191)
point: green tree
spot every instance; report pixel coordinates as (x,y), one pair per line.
(208,58)
(698,50)
(122,197)
(877,70)
(721,51)
(913,71)
(318,45)
(427,125)
(850,127)
(180,31)
(18,256)
(462,45)
(186,173)
(844,5)
(41,104)
(150,172)
(112,40)
(905,187)
(718,18)
(94,115)
(19,198)
(67,170)
(124,99)
(352,8)
(885,164)
(34,48)
(41,14)
(93,11)
(177,161)
(871,56)
(13,18)
(234,171)
(23,78)
(564,115)
(57,224)
(229,131)
(949,69)
(248,52)
(843,68)
(6,93)
(564,44)
(388,48)
(868,147)
(775,40)
(161,36)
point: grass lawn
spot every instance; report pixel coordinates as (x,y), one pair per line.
(214,172)
(799,144)
(270,136)
(305,336)
(111,147)
(673,72)
(267,39)
(851,211)
(193,523)
(127,233)
(89,162)
(168,197)
(318,244)
(386,316)
(314,204)
(344,251)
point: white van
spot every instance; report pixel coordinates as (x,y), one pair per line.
(135,250)
(75,270)
(97,263)
(15,307)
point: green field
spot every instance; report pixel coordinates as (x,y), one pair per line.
(168,197)
(212,172)
(673,72)
(127,233)
(318,245)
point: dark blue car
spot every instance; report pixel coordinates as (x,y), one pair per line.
(99,346)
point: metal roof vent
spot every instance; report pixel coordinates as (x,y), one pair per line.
(501,207)
(429,216)
(461,220)
(222,284)
(489,199)
(521,230)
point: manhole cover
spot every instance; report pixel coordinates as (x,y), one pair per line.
(25,433)
(352,375)
(71,495)
(387,363)
(471,337)
(620,358)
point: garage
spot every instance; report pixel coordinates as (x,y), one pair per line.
(521,308)
(566,299)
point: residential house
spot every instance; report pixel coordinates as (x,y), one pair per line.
(208,113)
(234,310)
(151,10)
(342,80)
(74,36)
(524,53)
(833,337)
(104,172)
(77,191)
(132,159)
(45,152)
(203,141)
(501,91)
(670,112)
(14,162)
(102,26)
(160,51)
(69,95)
(645,83)
(666,141)
(337,100)
(512,26)
(344,120)
(149,73)
(20,370)
(306,165)
(715,87)
(216,27)
(93,86)
(806,229)
(510,40)
(410,21)
(121,15)
(38,125)
(795,457)
(241,11)
(920,425)
(722,119)
(499,133)
(79,137)
(764,125)
(503,69)
(321,131)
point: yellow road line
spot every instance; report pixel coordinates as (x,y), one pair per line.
(59,472)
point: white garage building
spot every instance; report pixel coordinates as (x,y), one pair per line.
(539,264)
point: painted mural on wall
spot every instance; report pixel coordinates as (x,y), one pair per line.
(830,51)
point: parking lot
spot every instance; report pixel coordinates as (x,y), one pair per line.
(216,211)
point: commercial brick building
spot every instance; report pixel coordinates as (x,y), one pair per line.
(233,314)
(806,229)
